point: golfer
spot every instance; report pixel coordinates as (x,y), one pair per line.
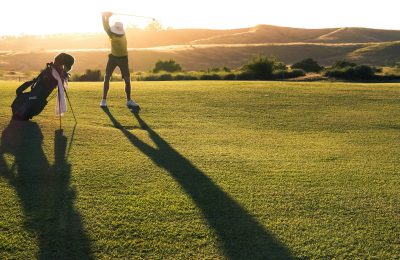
(117,58)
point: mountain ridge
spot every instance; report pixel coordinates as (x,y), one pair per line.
(258,34)
(197,49)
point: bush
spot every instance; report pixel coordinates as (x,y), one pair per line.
(229,76)
(151,77)
(288,74)
(260,68)
(296,73)
(357,72)
(168,66)
(210,77)
(341,64)
(279,66)
(89,75)
(377,69)
(308,65)
(184,77)
(245,75)
(222,69)
(164,77)
(226,69)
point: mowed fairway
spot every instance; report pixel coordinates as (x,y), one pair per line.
(207,170)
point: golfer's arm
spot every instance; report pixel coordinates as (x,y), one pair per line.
(106,25)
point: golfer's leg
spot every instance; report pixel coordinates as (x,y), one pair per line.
(107,77)
(127,80)
(124,67)
(106,85)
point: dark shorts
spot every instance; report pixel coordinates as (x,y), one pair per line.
(121,62)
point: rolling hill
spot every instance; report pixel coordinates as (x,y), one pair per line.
(198,49)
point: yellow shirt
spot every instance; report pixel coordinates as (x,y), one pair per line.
(119,45)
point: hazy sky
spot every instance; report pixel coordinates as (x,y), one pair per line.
(49,16)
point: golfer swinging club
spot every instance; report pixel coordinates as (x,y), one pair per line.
(118,57)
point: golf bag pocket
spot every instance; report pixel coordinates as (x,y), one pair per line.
(27,105)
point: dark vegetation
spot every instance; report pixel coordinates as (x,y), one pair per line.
(89,75)
(308,65)
(168,66)
(258,68)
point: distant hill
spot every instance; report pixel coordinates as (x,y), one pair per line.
(196,57)
(351,35)
(198,49)
(275,34)
(259,34)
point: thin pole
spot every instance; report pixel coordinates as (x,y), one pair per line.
(69,102)
(59,105)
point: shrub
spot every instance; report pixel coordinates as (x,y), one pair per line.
(288,74)
(151,77)
(91,75)
(210,77)
(341,64)
(168,66)
(226,69)
(260,67)
(179,77)
(308,65)
(296,73)
(245,75)
(357,72)
(164,77)
(279,65)
(377,69)
(229,76)
(184,77)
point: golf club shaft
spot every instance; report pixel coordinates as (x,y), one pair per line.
(133,15)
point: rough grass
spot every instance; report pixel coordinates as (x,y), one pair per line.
(207,170)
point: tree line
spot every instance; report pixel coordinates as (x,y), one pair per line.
(257,68)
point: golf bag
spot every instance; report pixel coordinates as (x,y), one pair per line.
(29,104)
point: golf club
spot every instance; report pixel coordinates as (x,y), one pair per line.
(133,15)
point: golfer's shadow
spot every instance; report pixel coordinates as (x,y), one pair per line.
(240,235)
(46,198)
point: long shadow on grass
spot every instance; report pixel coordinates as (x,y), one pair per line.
(240,235)
(44,192)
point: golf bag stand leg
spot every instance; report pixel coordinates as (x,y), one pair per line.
(69,102)
(59,107)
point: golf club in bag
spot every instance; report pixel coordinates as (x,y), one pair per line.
(31,103)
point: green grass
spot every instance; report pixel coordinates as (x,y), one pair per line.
(208,170)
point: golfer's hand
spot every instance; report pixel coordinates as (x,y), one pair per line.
(107,14)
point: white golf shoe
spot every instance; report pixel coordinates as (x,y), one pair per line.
(103,103)
(131,103)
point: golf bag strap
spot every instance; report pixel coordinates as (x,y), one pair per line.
(24,86)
